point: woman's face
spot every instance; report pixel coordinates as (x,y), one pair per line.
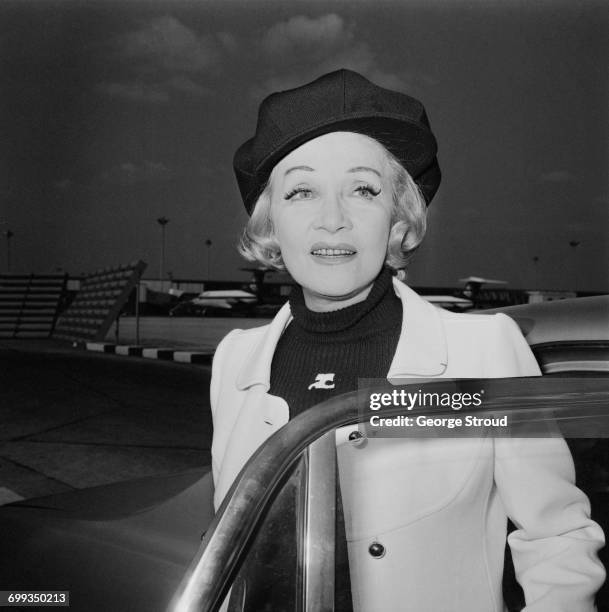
(331,211)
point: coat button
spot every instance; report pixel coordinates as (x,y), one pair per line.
(357,438)
(376,550)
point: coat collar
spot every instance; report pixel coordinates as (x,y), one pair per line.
(421,350)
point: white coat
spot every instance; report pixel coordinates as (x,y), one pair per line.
(439,507)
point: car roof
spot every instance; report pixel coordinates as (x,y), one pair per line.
(576,319)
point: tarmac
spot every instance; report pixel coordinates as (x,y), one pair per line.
(75,418)
(185,333)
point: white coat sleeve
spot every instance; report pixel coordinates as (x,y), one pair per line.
(555,544)
(220,364)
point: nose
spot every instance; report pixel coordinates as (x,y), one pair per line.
(332,215)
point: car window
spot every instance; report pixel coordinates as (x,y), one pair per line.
(270,576)
(291,564)
(573,358)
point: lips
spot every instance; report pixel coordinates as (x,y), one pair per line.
(333,250)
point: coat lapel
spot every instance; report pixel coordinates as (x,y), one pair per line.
(421,350)
(257,368)
(259,414)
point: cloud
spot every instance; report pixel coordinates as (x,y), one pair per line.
(129,173)
(159,60)
(164,43)
(320,35)
(324,43)
(163,58)
(556,176)
(302,48)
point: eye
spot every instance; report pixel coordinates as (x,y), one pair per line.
(367,191)
(299,193)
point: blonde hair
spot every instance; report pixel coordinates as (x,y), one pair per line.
(408,224)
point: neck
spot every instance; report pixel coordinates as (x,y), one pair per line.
(327,303)
(373,308)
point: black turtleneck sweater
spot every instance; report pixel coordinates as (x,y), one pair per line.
(322,354)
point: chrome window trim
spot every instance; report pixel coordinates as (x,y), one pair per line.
(319,519)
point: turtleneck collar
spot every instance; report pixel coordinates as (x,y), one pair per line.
(375,312)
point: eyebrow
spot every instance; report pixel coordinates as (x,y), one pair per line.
(352,170)
(294,168)
(365,168)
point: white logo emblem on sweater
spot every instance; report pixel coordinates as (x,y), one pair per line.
(323,381)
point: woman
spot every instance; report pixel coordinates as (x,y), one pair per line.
(336,180)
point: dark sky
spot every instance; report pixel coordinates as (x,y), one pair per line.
(114,114)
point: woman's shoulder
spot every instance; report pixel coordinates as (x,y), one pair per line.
(473,317)
(482,321)
(496,337)
(477,320)
(241,337)
(493,325)
(234,351)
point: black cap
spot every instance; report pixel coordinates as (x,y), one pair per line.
(339,101)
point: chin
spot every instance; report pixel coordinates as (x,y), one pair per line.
(337,290)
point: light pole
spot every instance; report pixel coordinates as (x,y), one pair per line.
(574,244)
(536,272)
(208,244)
(162,221)
(8,235)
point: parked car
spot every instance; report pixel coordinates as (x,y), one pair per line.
(154,543)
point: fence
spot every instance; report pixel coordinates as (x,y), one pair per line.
(98,303)
(29,304)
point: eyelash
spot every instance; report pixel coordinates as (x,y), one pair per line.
(290,194)
(369,188)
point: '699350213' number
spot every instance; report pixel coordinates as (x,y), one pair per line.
(34,598)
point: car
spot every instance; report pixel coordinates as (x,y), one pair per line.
(566,336)
(155,543)
(250,547)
